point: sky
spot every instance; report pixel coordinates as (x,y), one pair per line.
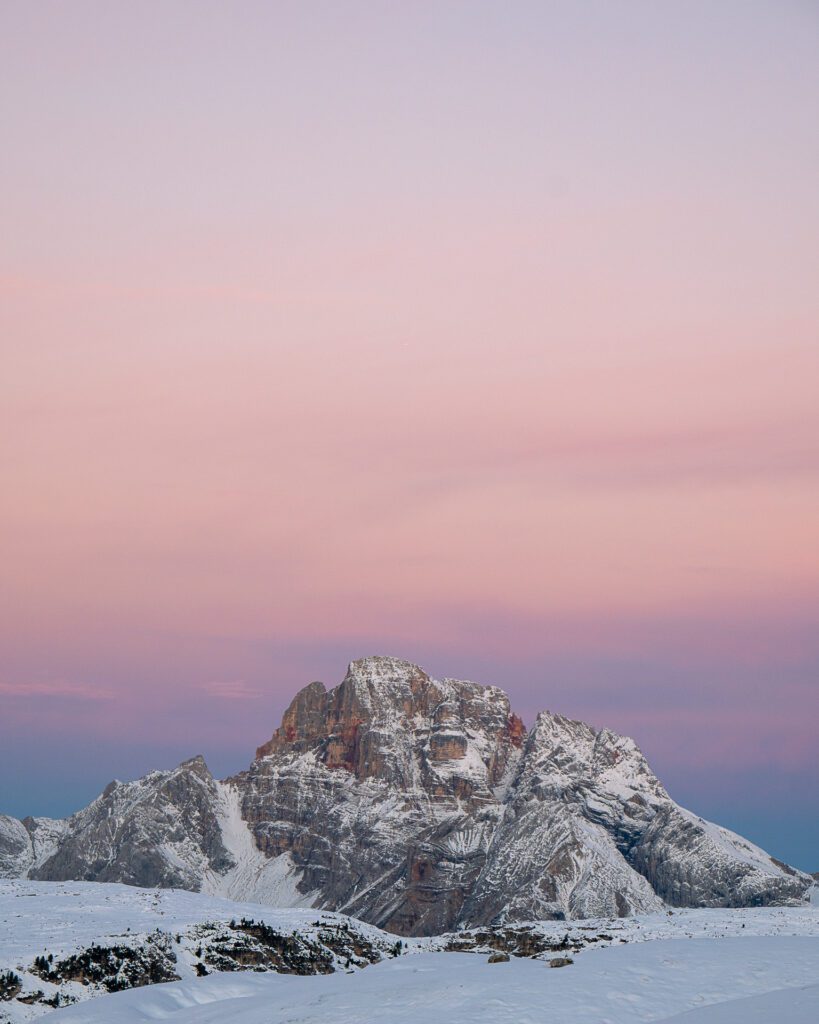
(485,335)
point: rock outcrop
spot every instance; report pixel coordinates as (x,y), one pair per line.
(420,806)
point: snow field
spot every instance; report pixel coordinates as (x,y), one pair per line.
(719,979)
(715,966)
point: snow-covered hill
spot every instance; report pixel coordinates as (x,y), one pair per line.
(69,941)
(418,805)
(77,941)
(246,963)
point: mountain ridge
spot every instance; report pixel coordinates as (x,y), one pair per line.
(418,805)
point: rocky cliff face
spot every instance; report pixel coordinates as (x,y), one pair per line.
(418,805)
(383,791)
(160,831)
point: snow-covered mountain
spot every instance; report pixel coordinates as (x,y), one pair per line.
(418,805)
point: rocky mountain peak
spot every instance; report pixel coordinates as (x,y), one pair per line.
(568,754)
(389,719)
(197,766)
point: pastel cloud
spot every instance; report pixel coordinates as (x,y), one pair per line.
(231,689)
(55,688)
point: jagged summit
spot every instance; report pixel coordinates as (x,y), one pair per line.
(417,804)
(389,719)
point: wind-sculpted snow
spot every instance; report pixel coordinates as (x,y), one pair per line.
(420,806)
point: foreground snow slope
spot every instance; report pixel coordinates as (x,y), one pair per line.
(618,985)
(72,941)
(689,958)
(60,917)
(785,1006)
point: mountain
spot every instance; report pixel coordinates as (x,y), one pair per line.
(418,805)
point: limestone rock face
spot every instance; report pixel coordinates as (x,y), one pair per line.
(419,805)
(16,853)
(383,791)
(159,831)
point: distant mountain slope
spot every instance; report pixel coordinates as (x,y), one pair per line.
(418,805)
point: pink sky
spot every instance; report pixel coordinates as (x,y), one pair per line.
(480,334)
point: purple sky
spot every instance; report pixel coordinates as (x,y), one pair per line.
(484,335)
